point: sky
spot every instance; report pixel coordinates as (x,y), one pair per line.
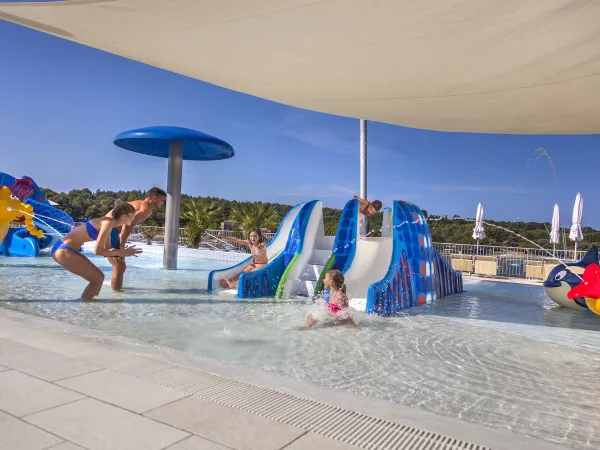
(62,104)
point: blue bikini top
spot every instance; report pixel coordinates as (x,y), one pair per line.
(91,231)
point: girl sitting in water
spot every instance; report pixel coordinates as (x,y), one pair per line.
(65,252)
(258,249)
(338,300)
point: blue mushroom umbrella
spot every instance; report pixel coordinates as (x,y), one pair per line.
(177,144)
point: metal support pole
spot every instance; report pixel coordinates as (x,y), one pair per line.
(173,205)
(363,159)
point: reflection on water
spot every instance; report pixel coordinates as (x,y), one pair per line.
(498,354)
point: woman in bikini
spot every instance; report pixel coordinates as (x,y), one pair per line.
(258,249)
(65,252)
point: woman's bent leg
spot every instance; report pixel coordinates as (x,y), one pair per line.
(79,265)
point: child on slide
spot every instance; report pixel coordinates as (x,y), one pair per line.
(338,301)
(258,249)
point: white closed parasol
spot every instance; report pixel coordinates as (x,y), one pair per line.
(576,234)
(478,231)
(555,231)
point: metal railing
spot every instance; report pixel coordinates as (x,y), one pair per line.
(211,239)
(496,250)
(514,262)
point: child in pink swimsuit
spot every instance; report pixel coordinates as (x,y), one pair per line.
(257,247)
(337,303)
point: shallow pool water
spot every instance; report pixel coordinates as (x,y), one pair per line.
(499,354)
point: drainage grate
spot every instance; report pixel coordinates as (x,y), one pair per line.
(330,421)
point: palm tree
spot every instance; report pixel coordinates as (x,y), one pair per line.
(199,217)
(255,215)
(149,233)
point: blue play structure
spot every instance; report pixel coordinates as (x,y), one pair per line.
(417,273)
(52,221)
(283,248)
(18,242)
(383,275)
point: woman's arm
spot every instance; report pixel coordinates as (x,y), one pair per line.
(103,242)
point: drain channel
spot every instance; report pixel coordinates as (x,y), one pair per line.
(336,423)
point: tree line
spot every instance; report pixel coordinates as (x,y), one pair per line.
(201,213)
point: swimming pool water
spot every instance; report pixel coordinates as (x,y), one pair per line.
(499,354)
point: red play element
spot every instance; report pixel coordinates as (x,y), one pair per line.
(590,286)
(22,188)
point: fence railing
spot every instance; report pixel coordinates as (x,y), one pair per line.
(487,260)
(211,239)
(513,262)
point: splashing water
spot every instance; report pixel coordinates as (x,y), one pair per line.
(519,184)
(36,216)
(542,152)
(531,242)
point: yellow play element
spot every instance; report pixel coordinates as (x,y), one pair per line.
(593,304)
(12,209)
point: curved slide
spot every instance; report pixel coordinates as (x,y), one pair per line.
(417,273)
(396,271)
(362,260)
(52,221)
(297,255)
(310,258)
(270,274)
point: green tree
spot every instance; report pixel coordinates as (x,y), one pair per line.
(199,216)
(255,215)
(149,233)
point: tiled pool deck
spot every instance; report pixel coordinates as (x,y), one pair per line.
(63,387)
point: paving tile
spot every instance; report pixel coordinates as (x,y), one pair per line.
(124,391)
(227,426)
(21,394)
(7,347)
(98,426)
(67,446)
(132,364)
(46,365)
(311,441)
(70,346)
(18,435)
(197,443)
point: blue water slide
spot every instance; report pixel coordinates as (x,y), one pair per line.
(417,273)
(344,244)
(274,249)
(265,281)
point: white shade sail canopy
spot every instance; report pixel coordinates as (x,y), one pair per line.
(494,66)
(555,230)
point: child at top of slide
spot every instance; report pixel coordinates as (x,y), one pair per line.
(366,210)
